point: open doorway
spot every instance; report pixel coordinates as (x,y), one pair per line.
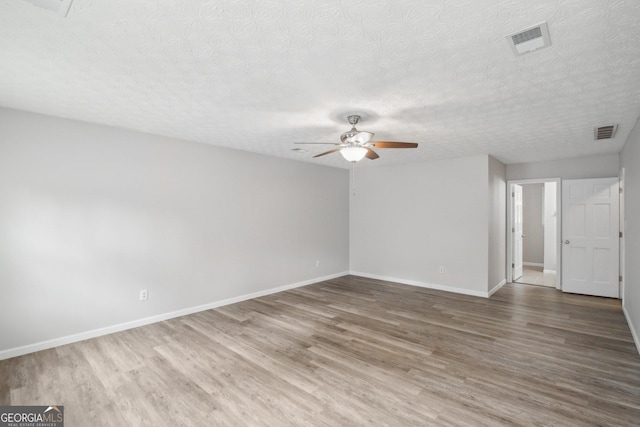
(534,220)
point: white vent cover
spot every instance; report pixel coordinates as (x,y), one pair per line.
(61,7)
(529,39)
(605,132)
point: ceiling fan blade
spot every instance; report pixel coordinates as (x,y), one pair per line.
(323,143)
(327,152)
(390,144)
(371,154)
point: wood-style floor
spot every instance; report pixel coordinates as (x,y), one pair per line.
(347,352)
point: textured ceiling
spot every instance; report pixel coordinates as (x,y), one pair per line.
(261,75)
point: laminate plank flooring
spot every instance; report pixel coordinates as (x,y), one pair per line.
(347,352)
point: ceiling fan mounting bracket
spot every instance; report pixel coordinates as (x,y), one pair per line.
(353,119)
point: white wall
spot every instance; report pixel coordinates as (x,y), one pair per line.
(408,220)
(90,215)
(532,224)
(550,227)
(604,166)
(630,159)
(497,224)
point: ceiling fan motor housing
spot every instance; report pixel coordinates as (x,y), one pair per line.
(354,136)
(345,137)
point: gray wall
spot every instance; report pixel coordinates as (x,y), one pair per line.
(90,215)
(532,224)
(630,159)
(407,220)
(497,223)
(583,167)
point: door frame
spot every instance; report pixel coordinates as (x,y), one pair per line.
(623,230)
(517,212)
(510,224)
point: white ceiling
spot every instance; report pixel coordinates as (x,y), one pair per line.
(260,75)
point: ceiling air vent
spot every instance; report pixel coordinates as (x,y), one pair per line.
(529,39)
(605,132)
(61,7)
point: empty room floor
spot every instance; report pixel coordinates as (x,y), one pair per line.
(351,351)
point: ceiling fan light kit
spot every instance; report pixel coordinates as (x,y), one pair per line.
(353,154)
(356,145)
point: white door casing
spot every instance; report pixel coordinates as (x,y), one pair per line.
(590,236)
(623,229)
(511,226)
(517,231)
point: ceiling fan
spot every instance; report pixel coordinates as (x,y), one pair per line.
(355,144)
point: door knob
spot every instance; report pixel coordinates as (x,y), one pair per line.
(566,242)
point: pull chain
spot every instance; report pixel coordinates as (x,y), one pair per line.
(353,178)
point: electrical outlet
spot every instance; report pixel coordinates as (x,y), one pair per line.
(317,263)
(442,269)
(144,294)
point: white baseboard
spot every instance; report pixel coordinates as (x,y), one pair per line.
(424,284)
(633,331)
(533,264)
(497,287)
(549,271)
(56,342)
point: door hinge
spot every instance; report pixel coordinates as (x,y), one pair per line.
(513,266)
(620,189)
(621,234)
(620,278)
(513,194)
(513,229)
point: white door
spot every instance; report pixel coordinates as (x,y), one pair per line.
(590,236)
(517,231)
